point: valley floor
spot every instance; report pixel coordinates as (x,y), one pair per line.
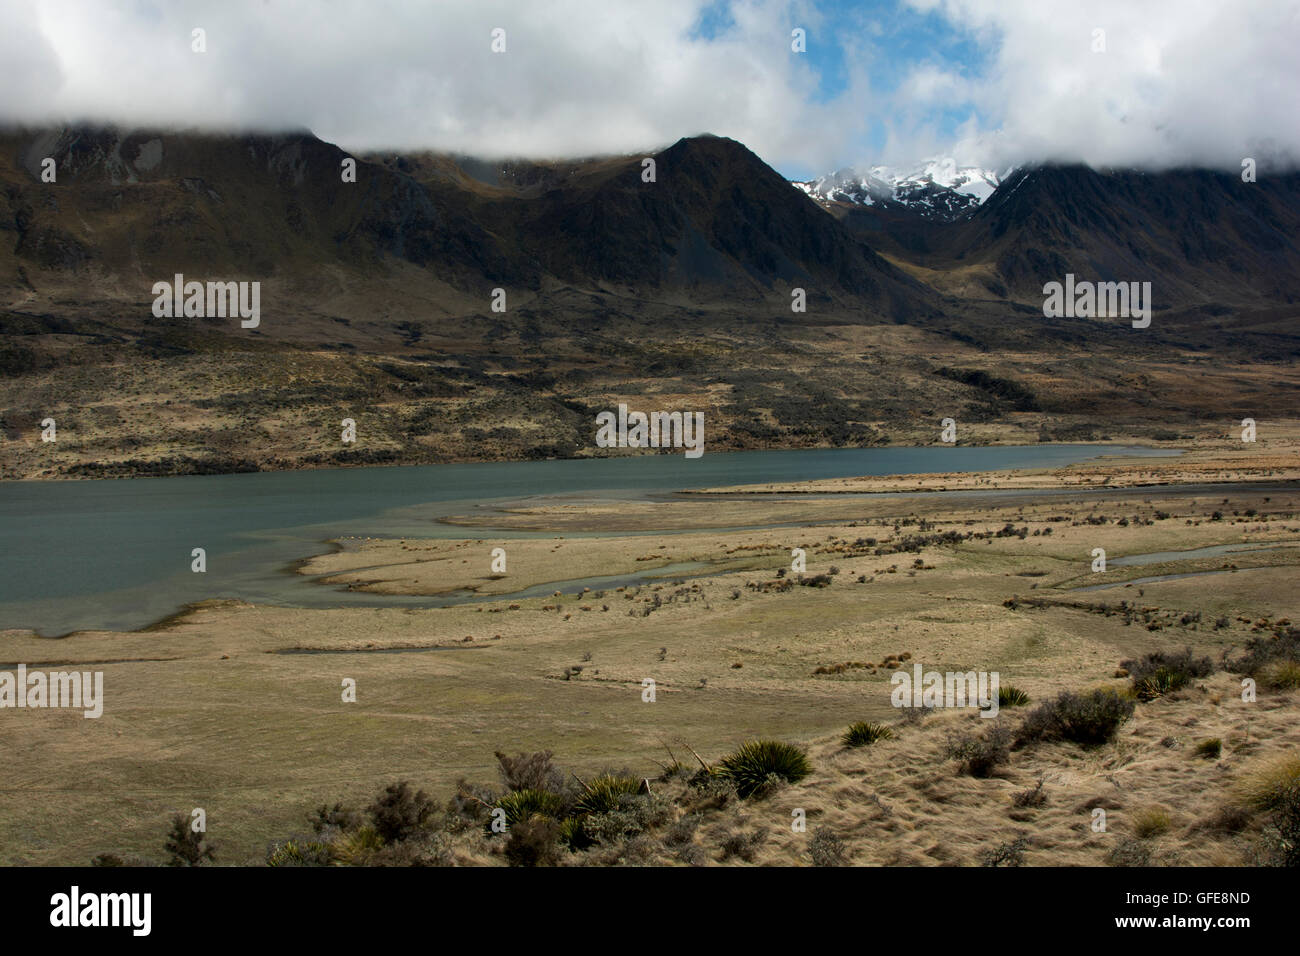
(238,709)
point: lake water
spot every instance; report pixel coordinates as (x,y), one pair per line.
(115,553)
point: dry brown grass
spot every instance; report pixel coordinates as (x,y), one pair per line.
(203,712)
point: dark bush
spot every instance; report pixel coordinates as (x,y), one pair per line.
(1033,797)
(420,851)
(1163,672)
(1129,852)
(1090,718)
(816,581)
(469,804)
(1018,396)
(530,771)
(399,812)
(1282,647)
(336,817)
(533,842)
(743,845)
(1007,854)
(827,849)
(980,754)
(186,847)
(1283,828)
(1209,749)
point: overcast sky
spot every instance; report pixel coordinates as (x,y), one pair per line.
(992,82)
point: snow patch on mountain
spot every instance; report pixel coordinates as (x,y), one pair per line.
(937,188)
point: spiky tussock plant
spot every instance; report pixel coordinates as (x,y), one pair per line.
(1281,675)
(573,835)
(522,805)
(754,764)
(864,732)
(605,793)
(1011,696)
(356,847)
(1151,822)
(1268,785)
(1161,682)
(298,852)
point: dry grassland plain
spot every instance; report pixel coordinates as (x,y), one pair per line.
(237,708)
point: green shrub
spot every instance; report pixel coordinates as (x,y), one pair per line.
(1158,684)
(1282,832)
(635,816)
(1268,654)
(751,765)
(356,847)
(298,852)
(574,835)
(709,791)
(1089,718)
(521,805)
(863,733)
(1164,672)
(1011,696)
(605,793)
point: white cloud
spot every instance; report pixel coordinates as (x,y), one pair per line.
(578,77)
(1180,81)
(929,85)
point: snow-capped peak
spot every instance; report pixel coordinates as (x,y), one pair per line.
(937,188)
(943,171)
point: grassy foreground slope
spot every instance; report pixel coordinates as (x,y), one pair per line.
(238,709)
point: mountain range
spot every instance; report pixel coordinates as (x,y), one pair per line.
(383,293)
